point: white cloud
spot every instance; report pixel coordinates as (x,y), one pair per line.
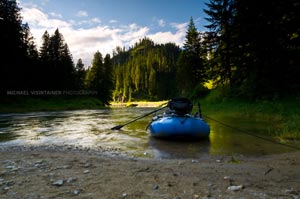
(84,42)
(177,37)
(96,20)
(179,26)
(37,19)
(82,13)
(113,21)
(53,14)
(161,23)
(89,22)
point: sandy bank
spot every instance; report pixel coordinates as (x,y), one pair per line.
(43,173)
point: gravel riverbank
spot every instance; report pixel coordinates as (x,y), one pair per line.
(61,173)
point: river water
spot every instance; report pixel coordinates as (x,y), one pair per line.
(92,129)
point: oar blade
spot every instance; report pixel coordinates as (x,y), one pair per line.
(117,127)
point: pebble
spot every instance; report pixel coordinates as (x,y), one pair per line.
(76,192)
(39,161)
(155,187)
(9,183)
(235,188)
(86,171)
(228,178)
(69,180)
(195,161)
(67,167)
(58,183)
(87,165)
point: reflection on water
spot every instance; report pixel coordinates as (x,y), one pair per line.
(91,128)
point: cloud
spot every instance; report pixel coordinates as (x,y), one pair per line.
(84,41)
(53,14)
(82,13)
(96,20)
(113,21)
(177,37)
(161,23)
(37,19)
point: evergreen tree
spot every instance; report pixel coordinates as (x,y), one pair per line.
(99,77)
(268,41)
(80,74)
(221,17)
(17,49)
(107,85)
(191,71)
(31,64)
(45,69)
(57,63)
(255,47)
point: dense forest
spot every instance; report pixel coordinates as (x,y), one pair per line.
(49,71)
(248,51)
(146,71)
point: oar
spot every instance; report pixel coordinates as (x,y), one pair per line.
(121,125)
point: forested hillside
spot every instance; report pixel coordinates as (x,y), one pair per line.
(145,71)
(248,51)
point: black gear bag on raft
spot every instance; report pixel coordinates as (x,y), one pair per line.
(180,105)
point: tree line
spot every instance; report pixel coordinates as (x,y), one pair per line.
(51,68)
(145,71)
(249,51)
(254,47)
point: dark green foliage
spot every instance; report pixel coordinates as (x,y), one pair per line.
(99,77)
(252,50)
(94,76)
(191,71)
(26,72)
(255,46)
(270,40)
(220,14)
(18,52)
(56,63)
(107,85)
(146,71)
(80,74)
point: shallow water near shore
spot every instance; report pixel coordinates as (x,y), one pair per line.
(92,129)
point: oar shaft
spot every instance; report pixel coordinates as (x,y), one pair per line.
(143,116)
(120,126)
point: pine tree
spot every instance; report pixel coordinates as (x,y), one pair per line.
(94,76)
(80,74)
(191,71)
(268,41)
(57,63)
(17,49)
(107,85)
(221,17)
(31,64)
(45,69)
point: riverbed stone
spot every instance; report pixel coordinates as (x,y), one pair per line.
(58,183)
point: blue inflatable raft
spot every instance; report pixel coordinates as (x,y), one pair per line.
(174,126)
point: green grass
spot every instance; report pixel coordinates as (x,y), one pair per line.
(28,104)
(282,114)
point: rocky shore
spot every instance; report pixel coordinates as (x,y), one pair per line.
(49,172)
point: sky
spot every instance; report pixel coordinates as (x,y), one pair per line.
(89,26)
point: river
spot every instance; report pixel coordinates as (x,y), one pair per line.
(92,129)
